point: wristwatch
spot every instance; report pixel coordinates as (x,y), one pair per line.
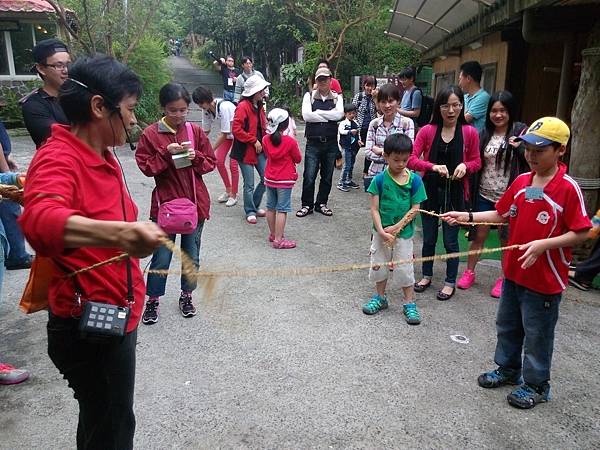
(470,216)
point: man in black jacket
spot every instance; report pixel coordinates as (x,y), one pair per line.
(41,108)
(322,109)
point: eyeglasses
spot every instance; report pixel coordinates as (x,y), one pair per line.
(447,106)
(60,67)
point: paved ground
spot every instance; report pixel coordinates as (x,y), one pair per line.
(293,362)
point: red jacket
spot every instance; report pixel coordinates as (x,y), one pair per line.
(422,147)
(245,110)
(66,178)
(154,160)
(280,171)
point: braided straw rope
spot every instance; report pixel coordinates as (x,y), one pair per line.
(209,278)
(11,192)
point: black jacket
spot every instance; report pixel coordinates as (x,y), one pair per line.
(40,111)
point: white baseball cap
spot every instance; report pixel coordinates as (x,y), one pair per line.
(275,118)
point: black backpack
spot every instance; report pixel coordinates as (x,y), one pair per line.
(426,108)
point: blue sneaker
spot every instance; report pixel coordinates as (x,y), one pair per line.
(499,377)
(411,314)
(375,305)
(527,396)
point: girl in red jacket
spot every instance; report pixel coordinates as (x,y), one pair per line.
(280,175)
(449,148)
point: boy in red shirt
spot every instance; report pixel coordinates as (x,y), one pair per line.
(547,217)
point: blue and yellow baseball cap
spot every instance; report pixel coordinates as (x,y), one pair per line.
(545,131)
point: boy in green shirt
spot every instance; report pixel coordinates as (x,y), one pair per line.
(394,192)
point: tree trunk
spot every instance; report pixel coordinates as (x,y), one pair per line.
(585,123)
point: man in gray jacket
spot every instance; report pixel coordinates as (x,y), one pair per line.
(247,72)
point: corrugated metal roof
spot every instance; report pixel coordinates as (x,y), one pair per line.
(39,6)
(424,23)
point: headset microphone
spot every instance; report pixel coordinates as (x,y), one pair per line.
(131,144)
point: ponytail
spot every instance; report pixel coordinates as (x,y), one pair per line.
(276,137)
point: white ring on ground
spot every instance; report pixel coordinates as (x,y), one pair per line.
(459,338)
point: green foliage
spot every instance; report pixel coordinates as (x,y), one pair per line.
(200,55)
(11,114)
(149,62)
(284,95)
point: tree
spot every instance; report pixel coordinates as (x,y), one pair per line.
(103,24)
(585,129)
(330,21)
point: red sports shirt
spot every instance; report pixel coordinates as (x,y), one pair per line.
(560,210)
(65,178)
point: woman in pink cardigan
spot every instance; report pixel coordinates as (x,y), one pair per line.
(445,152)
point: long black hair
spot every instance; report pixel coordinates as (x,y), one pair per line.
(506,151)
(276,137)
(442,98)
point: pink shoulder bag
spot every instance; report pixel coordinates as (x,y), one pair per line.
(180,215)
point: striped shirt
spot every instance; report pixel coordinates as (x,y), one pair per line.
(376,137)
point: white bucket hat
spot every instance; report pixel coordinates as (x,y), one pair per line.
(276,117)
(253,85)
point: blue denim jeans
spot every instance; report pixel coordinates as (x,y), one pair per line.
(430,235)
(349,160)
(161,260)
(253,195)
(9,213)
(319,156)
(525,325)
(228,95)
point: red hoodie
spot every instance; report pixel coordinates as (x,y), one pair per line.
(281,162)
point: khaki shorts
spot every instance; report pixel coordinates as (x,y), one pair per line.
(381,255)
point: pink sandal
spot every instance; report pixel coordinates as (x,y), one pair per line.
(284,243)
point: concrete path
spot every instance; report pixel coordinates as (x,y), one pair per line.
(293,363)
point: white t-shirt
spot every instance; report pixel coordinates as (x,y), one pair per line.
(493,181)
(224,113)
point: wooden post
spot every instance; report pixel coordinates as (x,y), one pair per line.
(585,123)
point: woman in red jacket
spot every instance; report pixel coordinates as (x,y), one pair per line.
(159,142)
(78,212)
(450,151)
(249,127)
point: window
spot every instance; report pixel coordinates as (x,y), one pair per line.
(16,47)
(22,44)
(488,79)
(4,67)
(443,80)
(43,31)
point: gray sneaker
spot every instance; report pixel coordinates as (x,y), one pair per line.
(12,375)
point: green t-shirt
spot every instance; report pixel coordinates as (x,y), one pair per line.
(395,200)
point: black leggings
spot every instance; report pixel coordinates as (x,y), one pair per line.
(363,138)
(102,376)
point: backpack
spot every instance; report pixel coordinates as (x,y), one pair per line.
(426,108)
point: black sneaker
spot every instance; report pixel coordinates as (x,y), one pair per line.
(343,188)
(527,396)
(150,315)
(185,304)
(353,185)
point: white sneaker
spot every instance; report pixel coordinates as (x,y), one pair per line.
(223,197)
(231,201)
